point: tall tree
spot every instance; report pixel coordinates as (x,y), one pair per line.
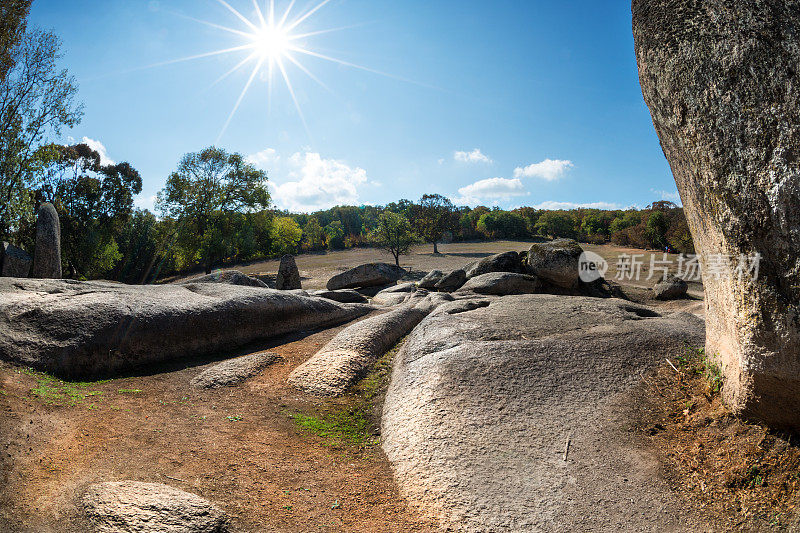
(432,217)
(206,185)
(394,234)
(13,18)
(36,100)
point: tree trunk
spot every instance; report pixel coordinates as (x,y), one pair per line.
(396,259)
(435,248)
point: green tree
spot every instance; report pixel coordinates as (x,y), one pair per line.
(556,224)
(334,235)
(36,101)
(313,234)
(432,216)
(13,19)
(502,225)
(286,235)
(656,232)
(394,234)
(205,186)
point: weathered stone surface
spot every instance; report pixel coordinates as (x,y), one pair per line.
(505,262)
(721,81)
(395,294)
(234,370)
(555,261)
(452,281)
(345,296)
(348,355)
(230,277)
(502,284)
(15,262)
(483,400)
(136,507)
(84,329)
(288,275)
(671,288)
(368,275)
(47,254)
(431,279)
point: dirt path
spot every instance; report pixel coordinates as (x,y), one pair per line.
(240,447)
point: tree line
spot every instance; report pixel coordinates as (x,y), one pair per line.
(215,208)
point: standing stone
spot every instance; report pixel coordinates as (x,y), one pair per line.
(16,263)
(721,81)
(288,275)
(47,254)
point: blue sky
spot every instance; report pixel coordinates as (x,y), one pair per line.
(504,103)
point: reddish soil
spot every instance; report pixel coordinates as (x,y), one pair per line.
(237,446)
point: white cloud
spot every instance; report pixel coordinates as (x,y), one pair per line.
(100,148)
(475,156)
(490,189)
(145,202)
(572,205)
(264,157)
(318,183)
(667,195)
(549,169)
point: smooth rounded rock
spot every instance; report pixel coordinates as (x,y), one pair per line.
(47,254)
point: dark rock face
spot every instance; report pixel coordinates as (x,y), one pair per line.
(133,506)
(231,277)
(88,329)
(431,279)
(288,275)
(502,284)
(47,255)
(505,262)
(368,275)
(452,281)
(671,288)
(345,296)
(15,262)
(721,81)
(555,261)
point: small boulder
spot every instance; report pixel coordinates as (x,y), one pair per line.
(452,281)
(133,506)
(555,261)
(502,284)
(230,277)
(431,279)
(47,254)
(345,296)
(15,262)
(505,262)
(368,275)
(671,288)
(288,275)
(234,370)
(395,294)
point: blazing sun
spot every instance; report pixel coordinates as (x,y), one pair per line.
(271,41)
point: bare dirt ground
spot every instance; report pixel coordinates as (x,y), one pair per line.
(272,457)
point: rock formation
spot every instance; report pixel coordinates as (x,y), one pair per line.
(15,262)
(721,81)
(86,329)
(47,254)
(502,284)
(136,507)
(485,393)
(431,279)
(556,262)
(234,370)
(345,296)
(671,288)
(505,262)
(368,275)
(452,281)
(288,275)
(231,277)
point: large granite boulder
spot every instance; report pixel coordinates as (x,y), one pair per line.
(47,254)
(136,507)
(671,288)
(345,296)
(288,275)
(505,262)
(485,399)
(86,329)
(451,281)
(556,262)
(721,81)
(15,262)
(502,284)
(230,277)
(368,275)
(395,294)
(431,279)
